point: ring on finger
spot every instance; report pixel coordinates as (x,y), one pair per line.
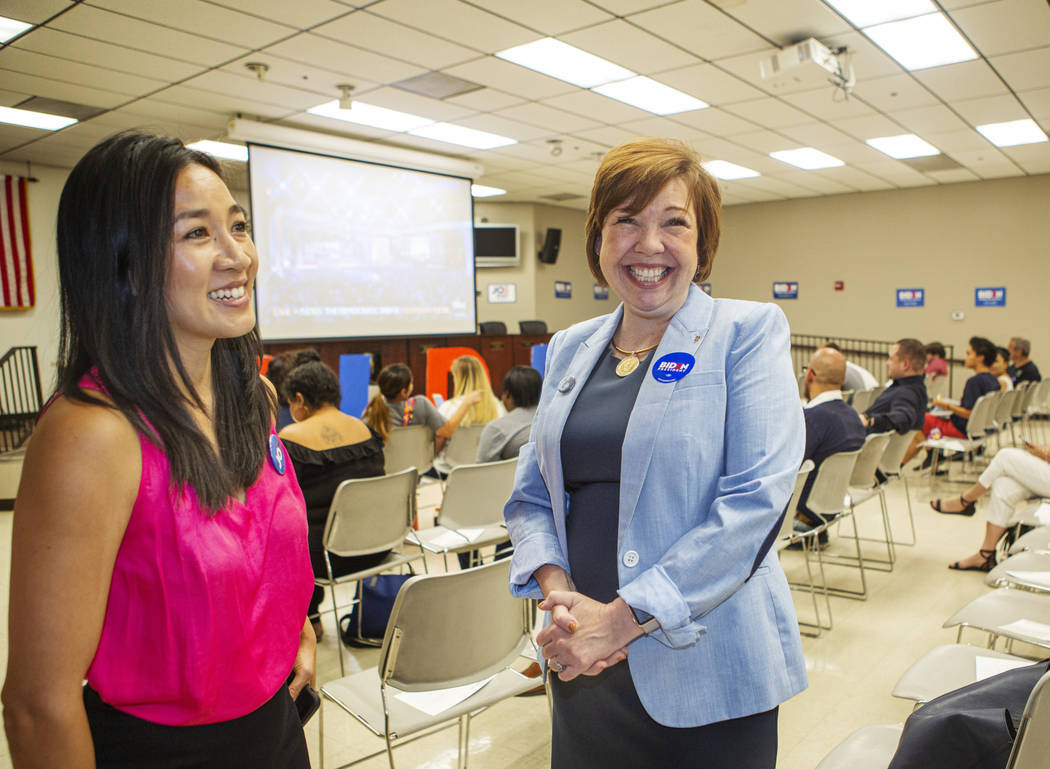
(556,666)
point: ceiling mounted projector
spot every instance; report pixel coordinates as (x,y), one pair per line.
(806,64)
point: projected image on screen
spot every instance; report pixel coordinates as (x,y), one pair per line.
(349,249)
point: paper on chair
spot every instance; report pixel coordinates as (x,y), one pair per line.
(449,538)
(440,700)
(1032,577)
(1029,628)
(1042,513)
(986,667)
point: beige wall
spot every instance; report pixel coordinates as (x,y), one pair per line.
(523,276)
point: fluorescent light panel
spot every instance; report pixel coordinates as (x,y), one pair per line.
(463,136)
(370,115)
(30,119)
(483,191)
(10,27)
(865,13)
(645,93)
(565,62)
(221,150)
(723,169)
(1012,133)
(922,42)
(807,158)
(903,146)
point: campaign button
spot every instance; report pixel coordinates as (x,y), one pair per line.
(630,559)
(672,367)
(566,384)
(277,454)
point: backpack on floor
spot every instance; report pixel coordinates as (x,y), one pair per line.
(365,625)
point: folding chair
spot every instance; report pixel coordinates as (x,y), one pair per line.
(944,669)
(462,448)
(445,630)
(996,612)
(409,446)
(788,536)
(870,747)
(1003,419)
(892,467)
(1037,403)
(864,485)
(862,399)
(1024,393)
(1032,743)
(471,513)
(1037,539)
(1013,572)
(977,427)
(369,515)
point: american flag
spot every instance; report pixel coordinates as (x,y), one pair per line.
(16,262)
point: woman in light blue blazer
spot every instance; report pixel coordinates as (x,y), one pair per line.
(662,456)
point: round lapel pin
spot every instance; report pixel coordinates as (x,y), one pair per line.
(277,455)
(672,367)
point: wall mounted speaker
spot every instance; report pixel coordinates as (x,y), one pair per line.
(551,244)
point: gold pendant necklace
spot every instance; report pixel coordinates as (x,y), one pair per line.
(630,363)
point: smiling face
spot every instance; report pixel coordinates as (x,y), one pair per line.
(649,258)
(212,266)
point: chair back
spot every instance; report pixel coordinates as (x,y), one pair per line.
(893,456)
(863,474)
(787,525)
(1032,743)
(937,387)
(475,494)
(371,515)
(828,493)
(532,326)
(982,416)
(1024,397)
(862,400)
(452,629)
(1004,407)
(409,446)
(492,328)
(462,448)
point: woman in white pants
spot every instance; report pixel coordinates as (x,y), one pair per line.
(1013,476)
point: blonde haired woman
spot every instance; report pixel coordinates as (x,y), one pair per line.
(469,376)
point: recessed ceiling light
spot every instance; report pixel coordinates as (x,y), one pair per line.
(10,28)
(481,191)
(723,169)
(221,149)
(807,158)
(903,146)
(1012,133)
(645,93)
(922,42)
(864,13)
(465,137)
(370,115)
(565,62)
(30,119)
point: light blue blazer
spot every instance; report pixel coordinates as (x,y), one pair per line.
(709,463)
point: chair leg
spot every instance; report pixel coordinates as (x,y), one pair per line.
(464,741)
(320,732)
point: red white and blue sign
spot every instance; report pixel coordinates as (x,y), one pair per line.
(673,366)
(562,289)
(785,289)
(601,292)
(706,288)
(911,297)
(989,297)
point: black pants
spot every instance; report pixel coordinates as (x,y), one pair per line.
(270,737)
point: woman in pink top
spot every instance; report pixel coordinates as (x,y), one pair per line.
(159,547)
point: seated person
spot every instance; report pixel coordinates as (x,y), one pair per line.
(980,355)
(395,406)
(326,447)
(468,375)
(857,377)
(280,365)
(831,426)
(936,365)
(504,437)
(1021,369)
(1013,476)
(1002,362)
(902,405)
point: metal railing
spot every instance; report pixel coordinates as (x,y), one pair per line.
(20,396)
(869,353)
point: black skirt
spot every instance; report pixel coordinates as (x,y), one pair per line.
(270,737)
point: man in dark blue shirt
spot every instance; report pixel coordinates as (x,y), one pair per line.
(902,406)
(1021,368)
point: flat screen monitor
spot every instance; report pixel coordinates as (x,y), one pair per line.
(349,248)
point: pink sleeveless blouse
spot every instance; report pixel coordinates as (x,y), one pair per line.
(204,613)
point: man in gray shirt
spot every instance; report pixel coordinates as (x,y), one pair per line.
(503,438)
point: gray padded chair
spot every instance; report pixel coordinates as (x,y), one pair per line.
(870,747)
(1018,564)
(787,536)
(862,399)
(892,467)
(409,446)
(369,515)
(1032,743)
(462,448)
(977,426)
(944,669)
(474,499)
(994,610)
(445,630)
(864,485)
(1037,539)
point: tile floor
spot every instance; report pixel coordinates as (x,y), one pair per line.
(851,669)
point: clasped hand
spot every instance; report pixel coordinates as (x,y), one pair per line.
(585,636)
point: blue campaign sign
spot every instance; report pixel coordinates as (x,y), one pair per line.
(911,297)
(989,297)
(706,288)
(562,289)
(785,289)
(601,292)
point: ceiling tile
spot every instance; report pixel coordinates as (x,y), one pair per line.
(869,127)
(11,98)
(954,176)
(55,89)
(853,152)
(1038,102)
(607,136)
(992,109)
(302,14)
(747,68)
(202,19)
(715,121)
(138,35)
(163,112)
(44,154)
(29,63)
(966,80)
(485,100)
(951,142)
(1033,158)
(347,60)
(856,178)
(661,126)
(630,47)
(13,135)
(551,17)
(34,11)
(220,101)
(397,41)
(1005,26)
(554,120)
(926,119)
(700,28)
(828,104)
(1025,71)
(596,106)
(235,87)
(414,104)
(818,135)
(454,20)
(814,180)
(868,60)
(511,78)
(763,141)
(894,172)
(625,7)
(775,185)
(301,77)
(331,125)
(988,163)
(710,84)
(769,112)
(788,21)
(893,93)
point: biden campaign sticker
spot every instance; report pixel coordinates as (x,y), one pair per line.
(673,367)
(277,454)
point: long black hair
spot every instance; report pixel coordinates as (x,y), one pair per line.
(115,224)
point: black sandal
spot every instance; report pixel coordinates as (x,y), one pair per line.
(987,564)
(969,508)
